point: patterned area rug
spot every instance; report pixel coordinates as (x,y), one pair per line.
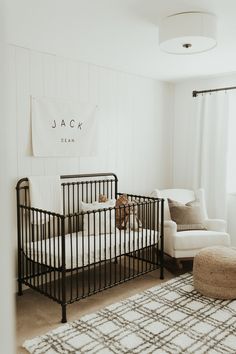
(169,318)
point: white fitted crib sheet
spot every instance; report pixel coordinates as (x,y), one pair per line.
(82,250)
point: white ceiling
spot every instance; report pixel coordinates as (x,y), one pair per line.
(121,34)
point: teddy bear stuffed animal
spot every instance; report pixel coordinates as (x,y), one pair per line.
(121,204)
(132,221)
(126,214)
(102,198)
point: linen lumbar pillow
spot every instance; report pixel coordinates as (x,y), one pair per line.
(99,222)
(187,216)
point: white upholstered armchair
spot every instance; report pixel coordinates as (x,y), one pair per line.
(183,245)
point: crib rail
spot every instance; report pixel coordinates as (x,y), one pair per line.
(112,256)
(36,227)
(75,254)
(86,187)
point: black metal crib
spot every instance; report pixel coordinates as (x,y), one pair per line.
(66,263)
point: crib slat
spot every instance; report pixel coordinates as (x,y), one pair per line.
(77,257)
(94,251)
(105,246)
(83,280)
(100,250)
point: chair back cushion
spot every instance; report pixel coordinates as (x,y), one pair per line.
(187,216)
(180,195)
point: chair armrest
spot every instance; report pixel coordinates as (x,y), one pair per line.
(216,225)
(170,227)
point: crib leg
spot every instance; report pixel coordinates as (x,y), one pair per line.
(20,292)
(63,312)
(162,272)
(161,266)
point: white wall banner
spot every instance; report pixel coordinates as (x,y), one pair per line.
(63,128)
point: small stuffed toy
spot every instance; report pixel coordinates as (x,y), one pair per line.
(121,202)
(131,220)
(102,198)
(126,214)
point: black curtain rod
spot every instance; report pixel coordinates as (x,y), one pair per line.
(195,93)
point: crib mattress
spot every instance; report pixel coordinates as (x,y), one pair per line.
(82,250)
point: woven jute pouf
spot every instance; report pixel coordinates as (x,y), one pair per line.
(214,272)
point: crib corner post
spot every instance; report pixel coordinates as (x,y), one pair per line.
(19,281)
(63,313)
(63,274)
(20,292)
(162,241)
(19,240)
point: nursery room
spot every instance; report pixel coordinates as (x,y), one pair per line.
(118,176)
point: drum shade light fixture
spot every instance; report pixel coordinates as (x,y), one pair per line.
(188,33)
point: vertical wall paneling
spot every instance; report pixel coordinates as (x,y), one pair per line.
(66,165)
(74,94)
(133,118)
(8,176)
(92,163)
(83,81)
(23,116)
(11,143)
(36,89)
(49,90)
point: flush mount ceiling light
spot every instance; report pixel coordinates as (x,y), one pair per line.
(188,33)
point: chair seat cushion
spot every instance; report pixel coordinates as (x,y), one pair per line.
(196,239)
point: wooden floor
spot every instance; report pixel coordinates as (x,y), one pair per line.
(37,314)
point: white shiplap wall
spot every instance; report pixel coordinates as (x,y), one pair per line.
(135,124)
(135,127)
(134,119)
(135,133)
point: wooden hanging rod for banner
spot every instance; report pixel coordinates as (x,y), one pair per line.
(195,93)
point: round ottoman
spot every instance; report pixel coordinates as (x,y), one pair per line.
(214,272)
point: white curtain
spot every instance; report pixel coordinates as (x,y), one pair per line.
(210,150)
(231,170)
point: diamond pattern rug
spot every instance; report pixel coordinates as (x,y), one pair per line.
(169,318)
